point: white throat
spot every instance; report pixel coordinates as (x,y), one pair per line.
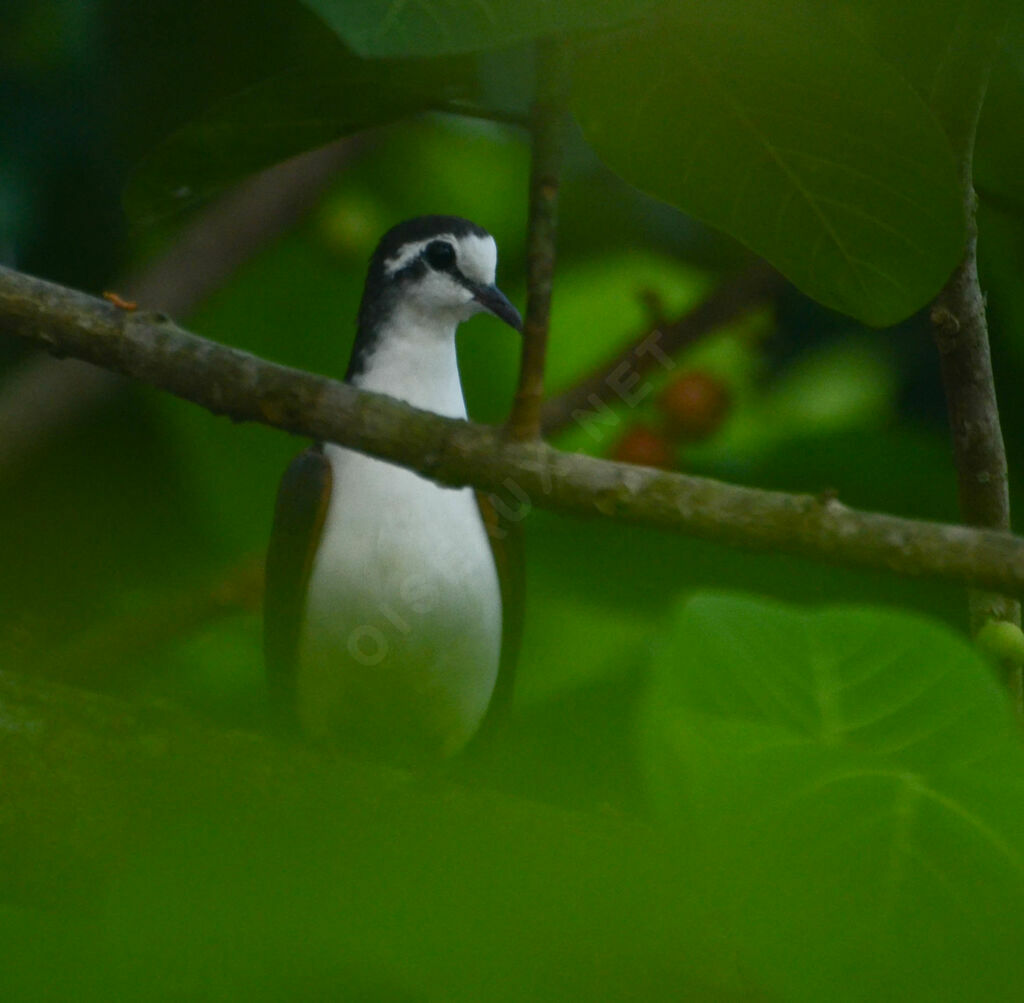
(414,360)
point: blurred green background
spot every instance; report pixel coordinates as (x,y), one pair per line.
(141,496)
(130,530)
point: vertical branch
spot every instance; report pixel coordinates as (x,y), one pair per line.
(961,335)
(547,133)
(960,329)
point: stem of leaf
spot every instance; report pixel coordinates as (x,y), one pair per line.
(547,129)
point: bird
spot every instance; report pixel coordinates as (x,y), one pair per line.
(393,605)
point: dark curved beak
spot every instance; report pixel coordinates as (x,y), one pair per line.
(492,299)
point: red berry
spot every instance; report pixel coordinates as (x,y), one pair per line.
(645,447)
(694,405)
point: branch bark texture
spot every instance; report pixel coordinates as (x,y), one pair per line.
(150,348)
(960,329)
(961,334)
(41,397)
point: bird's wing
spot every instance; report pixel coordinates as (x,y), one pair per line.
(505,536)
(299,515)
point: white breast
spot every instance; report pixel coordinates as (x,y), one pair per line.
(402,634)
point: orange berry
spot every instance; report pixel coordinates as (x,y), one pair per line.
(694,405)
(645,447)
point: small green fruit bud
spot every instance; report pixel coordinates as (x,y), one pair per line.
(1002,641)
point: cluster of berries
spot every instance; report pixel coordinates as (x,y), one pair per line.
(691,408)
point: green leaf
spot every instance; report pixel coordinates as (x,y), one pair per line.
(1000,150)
(432,28)
(813,152)
(860,789)
(283,116)
(945,48)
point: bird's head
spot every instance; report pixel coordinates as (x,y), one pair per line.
(440,269)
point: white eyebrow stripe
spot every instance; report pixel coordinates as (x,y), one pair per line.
(478,258)
(409,252)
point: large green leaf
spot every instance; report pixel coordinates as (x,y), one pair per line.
(286,115)
(861,793)
(1000,150)
(809,148)
(432,28)
(944,48)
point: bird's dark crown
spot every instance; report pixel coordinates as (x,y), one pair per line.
(415,230)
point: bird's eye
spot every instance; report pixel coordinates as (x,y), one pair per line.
(440,255)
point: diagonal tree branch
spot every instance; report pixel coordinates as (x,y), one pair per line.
(42,397)
(734,298)
(153,350)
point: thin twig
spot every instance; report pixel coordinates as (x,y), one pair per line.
(548,124)
(227,381)
(735,297)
